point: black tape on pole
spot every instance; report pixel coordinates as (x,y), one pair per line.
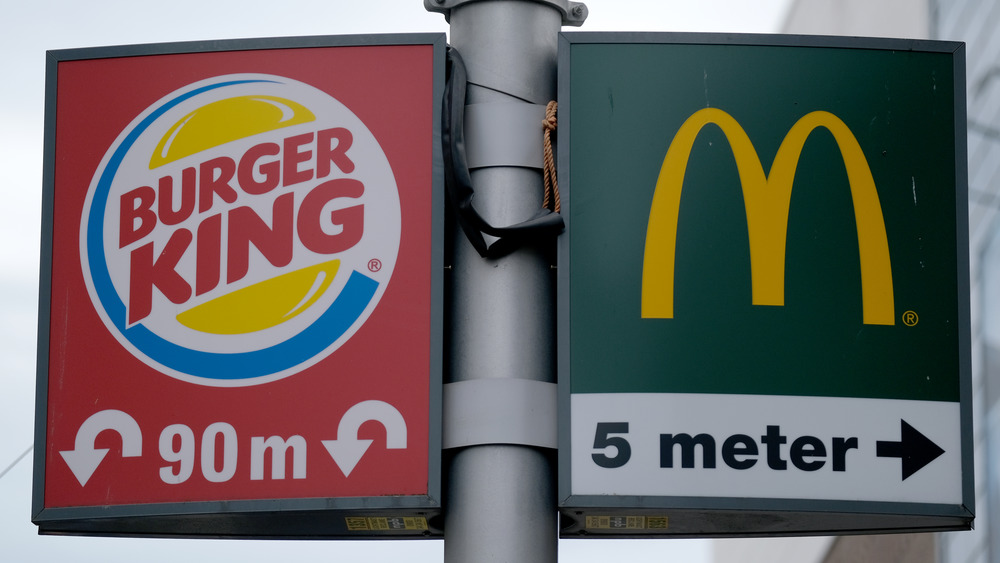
(458,179)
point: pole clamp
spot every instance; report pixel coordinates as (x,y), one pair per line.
(500,411)
(573,13)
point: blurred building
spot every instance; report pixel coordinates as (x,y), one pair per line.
(975,22)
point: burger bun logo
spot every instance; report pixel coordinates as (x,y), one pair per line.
(240,230)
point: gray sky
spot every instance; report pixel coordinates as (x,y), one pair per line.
(27,30)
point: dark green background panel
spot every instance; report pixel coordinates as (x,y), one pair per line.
(628,101)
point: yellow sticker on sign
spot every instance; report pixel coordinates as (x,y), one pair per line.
(627,522)
(385,524)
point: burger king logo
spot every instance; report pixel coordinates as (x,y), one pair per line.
(239,230)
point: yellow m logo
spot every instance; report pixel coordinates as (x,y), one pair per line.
(766,199)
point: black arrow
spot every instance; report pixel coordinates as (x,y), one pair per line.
(914,449)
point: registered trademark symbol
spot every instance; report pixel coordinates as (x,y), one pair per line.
(910,318)
(374,265)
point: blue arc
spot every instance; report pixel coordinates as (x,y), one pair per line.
(334,322)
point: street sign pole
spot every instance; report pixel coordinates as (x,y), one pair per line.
(500,491)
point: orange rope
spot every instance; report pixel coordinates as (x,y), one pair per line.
(549,161)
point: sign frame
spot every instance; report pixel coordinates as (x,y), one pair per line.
(342,517)
(624,515)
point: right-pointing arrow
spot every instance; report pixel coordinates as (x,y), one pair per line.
(914,449)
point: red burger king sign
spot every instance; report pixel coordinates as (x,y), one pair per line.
(244,279)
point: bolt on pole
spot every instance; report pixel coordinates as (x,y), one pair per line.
(500,492)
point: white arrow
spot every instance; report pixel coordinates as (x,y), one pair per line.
(347,450)
(84,458)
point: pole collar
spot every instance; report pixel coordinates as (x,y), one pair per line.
(573,13)
(500,411)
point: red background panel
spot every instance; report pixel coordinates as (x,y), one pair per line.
(390,88)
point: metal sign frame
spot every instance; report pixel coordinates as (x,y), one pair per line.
(610,512)
(389,515)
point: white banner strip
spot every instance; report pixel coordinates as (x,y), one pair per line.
(760,446)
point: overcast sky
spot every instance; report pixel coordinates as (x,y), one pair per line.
(27,30)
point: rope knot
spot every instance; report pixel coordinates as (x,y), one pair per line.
(549,123)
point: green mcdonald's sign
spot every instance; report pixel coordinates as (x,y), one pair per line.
(764,293)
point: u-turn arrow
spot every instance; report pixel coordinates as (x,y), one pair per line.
(84,458)
(914,449)
(347,450)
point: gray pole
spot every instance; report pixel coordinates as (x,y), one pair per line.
(500,494)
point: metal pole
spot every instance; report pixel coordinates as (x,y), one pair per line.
(500,500)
